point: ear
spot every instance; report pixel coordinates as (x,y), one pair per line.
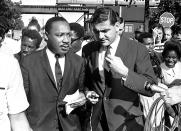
(117,26)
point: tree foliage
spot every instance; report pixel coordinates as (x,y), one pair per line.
(12,11)
(166,6)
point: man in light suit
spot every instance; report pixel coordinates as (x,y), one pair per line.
(46,93)
(114,90)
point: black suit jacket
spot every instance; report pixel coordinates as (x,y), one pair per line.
(119,98)
(45,112)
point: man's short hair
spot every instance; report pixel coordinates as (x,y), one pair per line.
(51,20)
(144,35)
(103,14)
(33,34)
(78,29)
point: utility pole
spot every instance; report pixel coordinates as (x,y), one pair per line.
(102,3)
(146,15)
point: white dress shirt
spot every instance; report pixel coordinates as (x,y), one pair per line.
(113,48)
(52,61)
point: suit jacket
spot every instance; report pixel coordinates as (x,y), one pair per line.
(119,98)
(46,109)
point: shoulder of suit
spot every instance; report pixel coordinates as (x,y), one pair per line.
(131,43)
(34,55)
(90,47)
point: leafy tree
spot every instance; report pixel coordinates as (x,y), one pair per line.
(166,6)
(12,10)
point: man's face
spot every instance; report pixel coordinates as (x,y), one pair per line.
(59,37)
(28,45)
(168,34)
(148,42)
(105,32)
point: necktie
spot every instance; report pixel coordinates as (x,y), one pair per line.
(58,73)
(106,64)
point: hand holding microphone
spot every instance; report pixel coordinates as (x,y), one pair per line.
(162,89)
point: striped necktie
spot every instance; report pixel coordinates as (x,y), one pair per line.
(58,72)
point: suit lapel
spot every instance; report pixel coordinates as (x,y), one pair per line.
(95,65)
(67,69)
(122,48)
(94,60)
(46,65)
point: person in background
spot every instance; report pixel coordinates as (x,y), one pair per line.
(137,33)
(9,45)
(171,76)
(77,32)
(30,42)
(155,57)
(13,101)
(53,80)
(117,71)
(157,31)
(171,66)
(176,32)
(121,26)
(168,33)
(147,40)
(34,25)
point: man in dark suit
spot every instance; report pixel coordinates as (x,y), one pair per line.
(113,83)
(49,76)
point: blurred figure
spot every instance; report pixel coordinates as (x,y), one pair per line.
(138,32)
(177,33)
(77,32)
(13,101)
(30,42)
(168,33)
(34,25)
(157,31)
(9,45)
(121,26)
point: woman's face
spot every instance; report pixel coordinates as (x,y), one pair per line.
(171,58)
(158,35)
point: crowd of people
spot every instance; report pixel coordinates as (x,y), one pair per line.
(65,80)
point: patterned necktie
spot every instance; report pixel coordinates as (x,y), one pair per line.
(106,64)
(58,73)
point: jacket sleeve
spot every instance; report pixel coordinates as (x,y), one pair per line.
(25,75)
(142,73)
